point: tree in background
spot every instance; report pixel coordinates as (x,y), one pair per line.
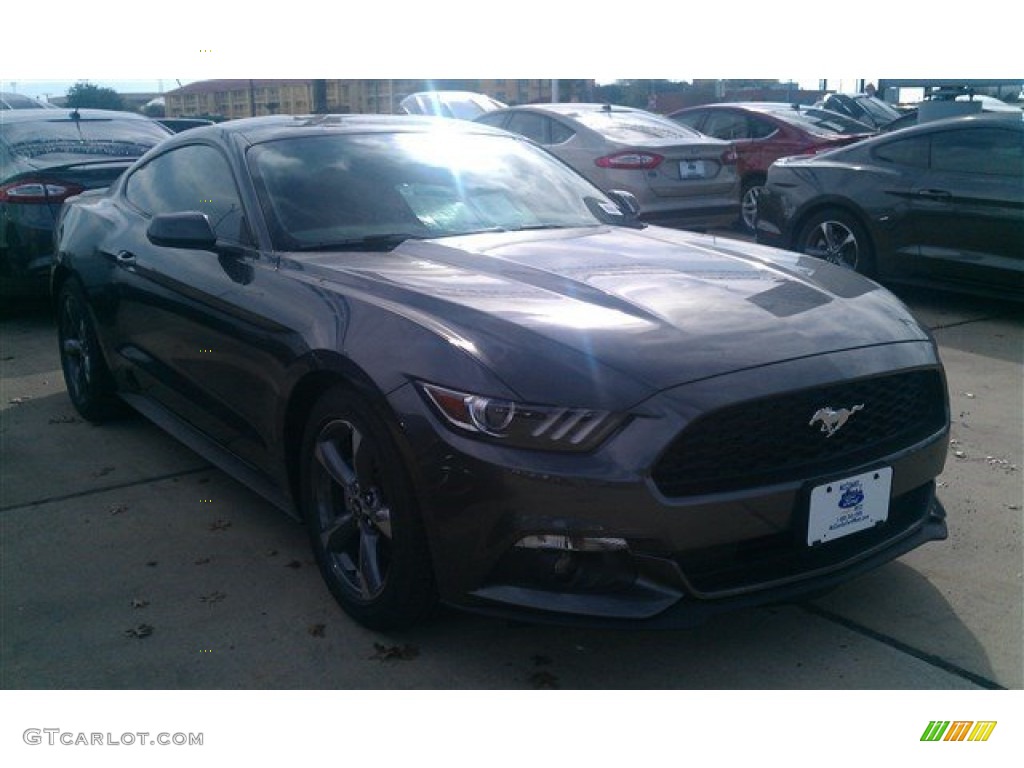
(85,94)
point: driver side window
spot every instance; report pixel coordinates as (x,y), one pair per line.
(191,178)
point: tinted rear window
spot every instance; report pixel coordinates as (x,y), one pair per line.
(634,126)
(822,122)
(103,137)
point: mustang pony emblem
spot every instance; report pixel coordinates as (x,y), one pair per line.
(832,421)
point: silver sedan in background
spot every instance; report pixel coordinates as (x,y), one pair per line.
(679,176)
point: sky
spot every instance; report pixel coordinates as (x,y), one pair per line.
(46,88)
(115,45)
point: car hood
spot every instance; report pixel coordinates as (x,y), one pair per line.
(661,307)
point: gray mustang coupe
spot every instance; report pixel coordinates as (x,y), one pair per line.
(480,380)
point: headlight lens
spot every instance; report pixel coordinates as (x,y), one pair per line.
(538,427)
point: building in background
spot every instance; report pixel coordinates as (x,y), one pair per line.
(230,99)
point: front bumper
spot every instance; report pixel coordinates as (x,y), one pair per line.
(685,557)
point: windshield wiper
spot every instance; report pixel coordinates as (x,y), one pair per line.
(490,230)
(530,227)
(384,242)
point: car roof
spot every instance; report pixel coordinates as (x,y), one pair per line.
(450,95)
(50,114)
(260,129)
(768,106)
(568,108)
(962,122)
(982,119)
(765,107)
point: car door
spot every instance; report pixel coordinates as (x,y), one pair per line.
(968,207)
(189,320)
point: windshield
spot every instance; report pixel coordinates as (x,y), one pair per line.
(633,126)
(102,138)
(332,191)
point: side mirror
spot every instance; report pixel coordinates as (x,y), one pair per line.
(626,201)
(190,229)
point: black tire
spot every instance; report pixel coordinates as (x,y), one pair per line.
(361,514)
(752,189)
(88,380)
(837,237)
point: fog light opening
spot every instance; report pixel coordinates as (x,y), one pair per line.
(565,543)
(565,565)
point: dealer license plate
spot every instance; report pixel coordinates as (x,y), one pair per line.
(849,505)
(692,169)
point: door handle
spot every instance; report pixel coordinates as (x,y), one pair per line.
(935,194)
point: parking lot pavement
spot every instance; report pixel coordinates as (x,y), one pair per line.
(128,562)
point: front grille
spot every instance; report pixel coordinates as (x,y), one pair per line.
(771,440)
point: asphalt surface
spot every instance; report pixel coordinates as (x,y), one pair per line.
(127,562)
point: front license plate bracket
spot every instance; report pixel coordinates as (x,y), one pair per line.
(848,505)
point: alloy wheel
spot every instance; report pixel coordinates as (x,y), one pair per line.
(835,242)
(748,206)
(351,510)
(76,353)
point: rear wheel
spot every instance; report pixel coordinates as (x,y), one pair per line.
(838,237)
(752,189)
(363,522)
(86,375)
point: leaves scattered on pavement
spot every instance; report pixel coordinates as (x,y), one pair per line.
(213,597)
(544,680)
(139,632)
(138,603)
(394,652)
(317,630)
(220,525)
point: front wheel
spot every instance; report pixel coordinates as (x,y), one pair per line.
(838,237)
(361,514)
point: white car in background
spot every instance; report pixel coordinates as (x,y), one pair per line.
(462,105)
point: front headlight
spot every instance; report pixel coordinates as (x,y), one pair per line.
(537,427)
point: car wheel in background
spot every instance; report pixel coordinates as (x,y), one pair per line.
(89,382)
(752,189)
(836,236)
(361,514)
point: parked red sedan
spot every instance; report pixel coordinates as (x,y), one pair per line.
(762,132)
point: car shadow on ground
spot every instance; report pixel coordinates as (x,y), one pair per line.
(874,633)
